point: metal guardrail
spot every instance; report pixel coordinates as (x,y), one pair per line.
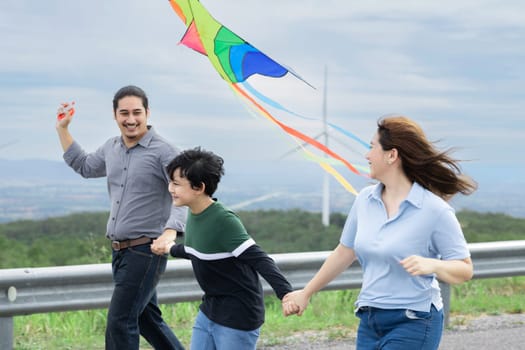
(65,288)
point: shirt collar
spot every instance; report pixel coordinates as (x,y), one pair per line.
(376,193)
(415,196)
(144,140)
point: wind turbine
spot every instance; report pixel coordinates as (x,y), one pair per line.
(325,136)
(325,217)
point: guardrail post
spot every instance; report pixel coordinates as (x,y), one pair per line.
(445,295)
(6,333)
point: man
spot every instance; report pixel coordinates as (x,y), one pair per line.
(141,211)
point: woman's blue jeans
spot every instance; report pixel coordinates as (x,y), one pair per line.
(133,310)
(399,329)
(208,335)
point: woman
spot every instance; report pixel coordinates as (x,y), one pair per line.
(406,238)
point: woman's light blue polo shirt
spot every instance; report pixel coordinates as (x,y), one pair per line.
(425,225)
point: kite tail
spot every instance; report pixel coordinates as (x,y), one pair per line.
(277,105)
(294,132)
(328,168)
(297,134)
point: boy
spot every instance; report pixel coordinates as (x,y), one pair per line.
(224,257)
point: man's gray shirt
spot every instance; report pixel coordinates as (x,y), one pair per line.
(137,184)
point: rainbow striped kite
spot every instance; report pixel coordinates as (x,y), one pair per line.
(236,60)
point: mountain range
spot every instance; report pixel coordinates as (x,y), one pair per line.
(37,189)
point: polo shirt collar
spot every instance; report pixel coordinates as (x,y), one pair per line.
(376,193)
(415,196)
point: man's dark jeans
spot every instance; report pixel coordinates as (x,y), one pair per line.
(133,308)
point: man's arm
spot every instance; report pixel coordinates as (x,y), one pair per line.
(164,242)
(176,223)
(66,140)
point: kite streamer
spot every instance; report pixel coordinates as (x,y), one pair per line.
(277,105)
(236,60)
(293,131)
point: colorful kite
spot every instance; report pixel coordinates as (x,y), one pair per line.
(236,60)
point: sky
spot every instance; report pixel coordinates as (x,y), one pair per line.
(455,67)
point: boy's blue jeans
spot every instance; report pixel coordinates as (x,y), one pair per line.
(399,329)
(133,310)
(208,335)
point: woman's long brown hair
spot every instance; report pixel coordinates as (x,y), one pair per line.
(433,169)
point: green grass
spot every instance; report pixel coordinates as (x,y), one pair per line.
(77,330)
(68,330)
(490,296)
(330,313)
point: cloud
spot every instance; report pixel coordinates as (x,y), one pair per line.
(455,66)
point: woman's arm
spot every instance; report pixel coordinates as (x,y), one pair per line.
(448,271)
(338,261)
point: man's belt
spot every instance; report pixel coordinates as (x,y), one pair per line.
(119,245)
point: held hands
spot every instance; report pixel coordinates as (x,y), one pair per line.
(164,242)
(295,303)
(161,246)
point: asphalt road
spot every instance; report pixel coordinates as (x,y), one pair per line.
(501,332)
(504,332)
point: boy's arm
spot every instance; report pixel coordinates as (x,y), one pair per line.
(266,267)
(177,250)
